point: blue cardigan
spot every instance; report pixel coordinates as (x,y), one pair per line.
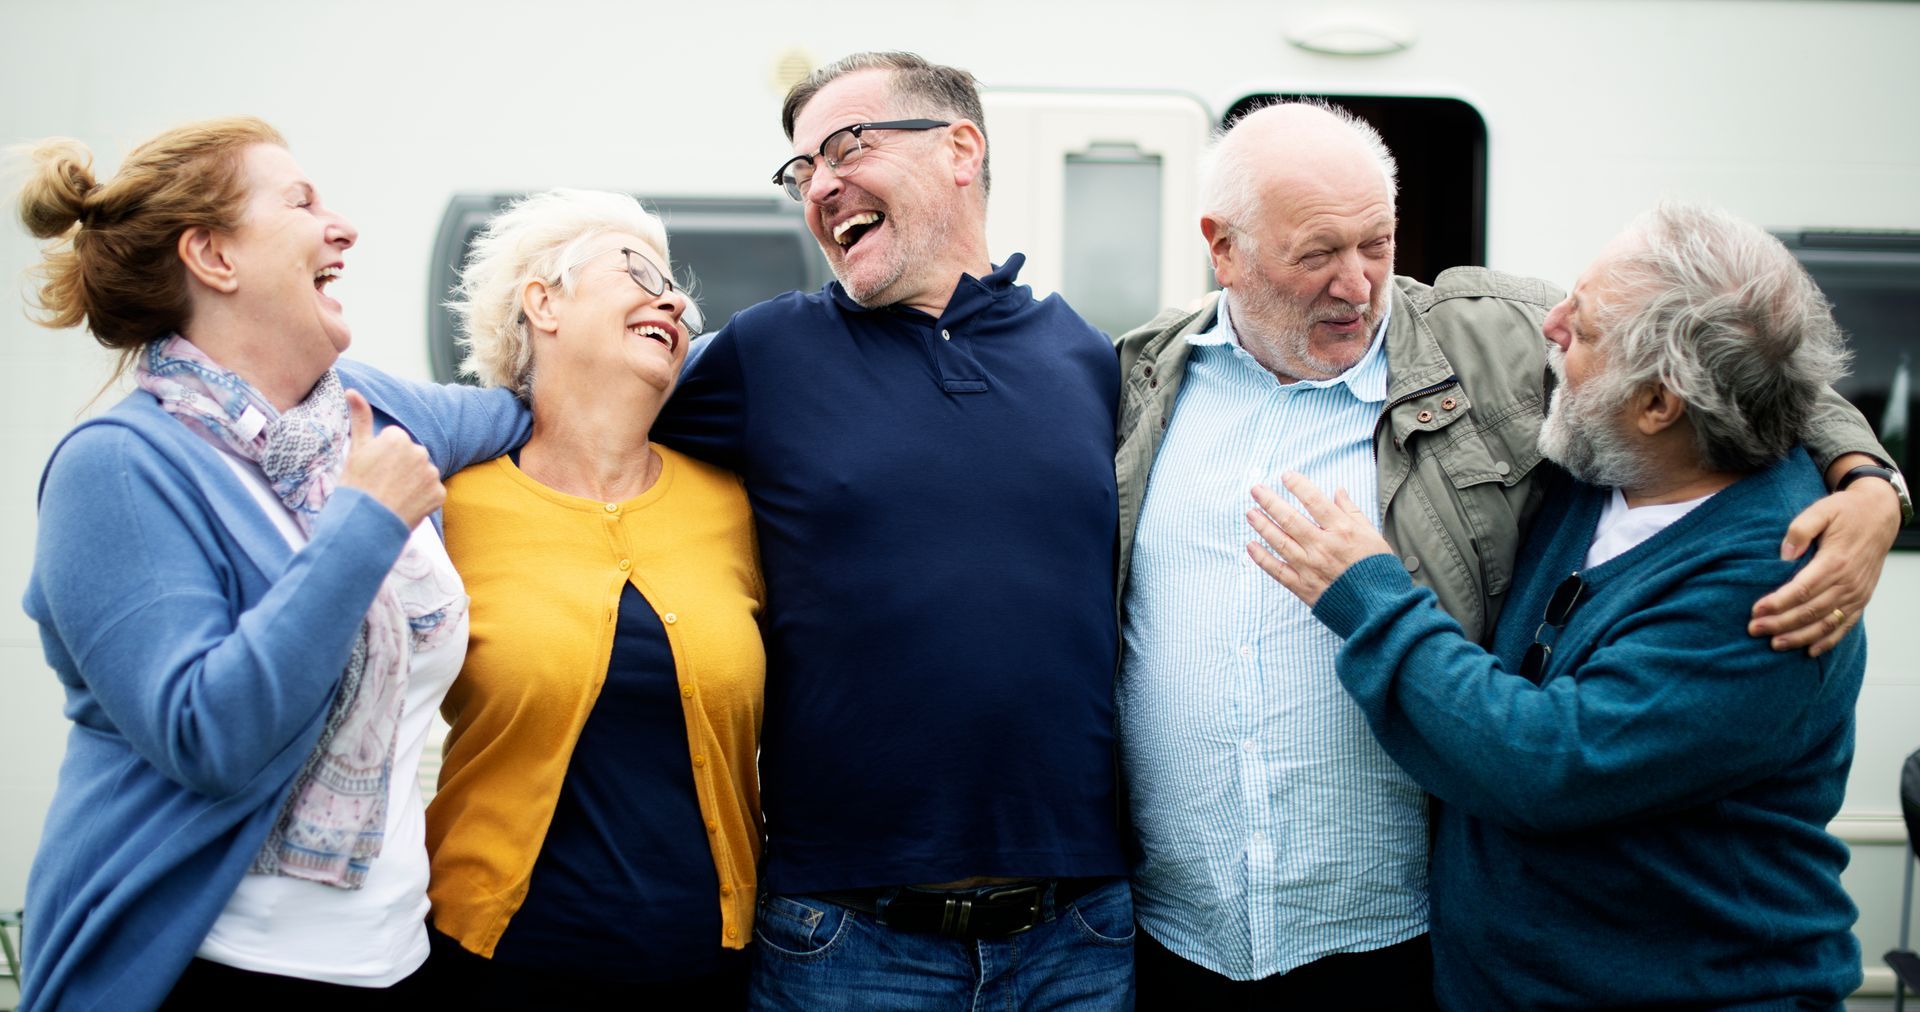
(199,656)
(1646,826)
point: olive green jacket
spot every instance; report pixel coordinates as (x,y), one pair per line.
(1458,440)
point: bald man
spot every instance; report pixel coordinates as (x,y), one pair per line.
(1282,854)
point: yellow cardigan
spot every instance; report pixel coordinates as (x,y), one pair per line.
(545,571)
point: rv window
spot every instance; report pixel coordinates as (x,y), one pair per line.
(738,252)
(1112,235)
(1873,281)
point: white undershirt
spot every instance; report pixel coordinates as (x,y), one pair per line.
(1622,527)
(376,935)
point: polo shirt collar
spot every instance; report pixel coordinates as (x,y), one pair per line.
(1367,379)
(969,294)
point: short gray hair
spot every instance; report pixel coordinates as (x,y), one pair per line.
(1721,314)
(1231,169)
(532,239)
(922,88)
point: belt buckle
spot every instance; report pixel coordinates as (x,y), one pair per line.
(1032,894)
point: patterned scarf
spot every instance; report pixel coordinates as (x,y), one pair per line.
(331,827)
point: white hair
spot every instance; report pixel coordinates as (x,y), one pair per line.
(1231,171)
(531,240)
(1720,313)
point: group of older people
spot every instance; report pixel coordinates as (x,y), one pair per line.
(1529,564)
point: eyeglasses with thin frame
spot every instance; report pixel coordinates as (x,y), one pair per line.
(841,151)
(653,282)
(1569,594)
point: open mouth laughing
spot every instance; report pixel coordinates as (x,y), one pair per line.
(656,332)
(855,227)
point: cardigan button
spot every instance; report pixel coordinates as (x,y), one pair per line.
(699,760)
(626,564)
(726,890)
(686,691)
(713,827)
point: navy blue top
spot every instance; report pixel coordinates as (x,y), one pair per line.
(937,518)
(1646,827)
(623,887)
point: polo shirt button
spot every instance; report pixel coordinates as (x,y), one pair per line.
(1412,562)
(613,507)
(1425,416)
(669,618)
(626,564)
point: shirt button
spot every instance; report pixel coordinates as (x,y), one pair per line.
(1245,650)
(1425,416)
(613,507)
(1412,562)
(1248,744)
(625,564)
(669,618)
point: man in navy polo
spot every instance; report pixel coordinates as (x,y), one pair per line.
(929,453)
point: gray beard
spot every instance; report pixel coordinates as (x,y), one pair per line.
(1582,432)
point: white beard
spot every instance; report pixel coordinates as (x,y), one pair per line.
(1583,432)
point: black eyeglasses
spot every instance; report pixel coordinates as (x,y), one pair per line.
(1569,594)
(840,151)
(651,281)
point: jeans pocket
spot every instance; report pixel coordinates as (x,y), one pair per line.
(798,928)
(1105,915)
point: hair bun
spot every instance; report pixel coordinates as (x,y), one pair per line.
(55,195)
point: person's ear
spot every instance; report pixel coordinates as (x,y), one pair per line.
(208,259)
(536,304)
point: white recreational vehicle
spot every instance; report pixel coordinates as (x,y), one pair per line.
(1528,132)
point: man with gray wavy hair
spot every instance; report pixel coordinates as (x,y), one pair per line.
(1634,791)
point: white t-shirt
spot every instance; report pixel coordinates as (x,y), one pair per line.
(1622,527)
(376,935)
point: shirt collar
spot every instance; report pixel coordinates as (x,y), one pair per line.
(1367,378)
(969,293)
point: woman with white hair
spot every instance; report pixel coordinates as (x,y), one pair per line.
(596,834)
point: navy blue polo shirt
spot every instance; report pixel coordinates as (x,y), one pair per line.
(937,518)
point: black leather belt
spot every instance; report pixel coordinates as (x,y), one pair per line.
(986,912)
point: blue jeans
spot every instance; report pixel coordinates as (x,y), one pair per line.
(809,954)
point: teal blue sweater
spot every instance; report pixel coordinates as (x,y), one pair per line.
(1646,826)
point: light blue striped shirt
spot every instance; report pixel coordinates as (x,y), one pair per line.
(1275,830)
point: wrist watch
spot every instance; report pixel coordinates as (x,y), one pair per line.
(1891,477)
